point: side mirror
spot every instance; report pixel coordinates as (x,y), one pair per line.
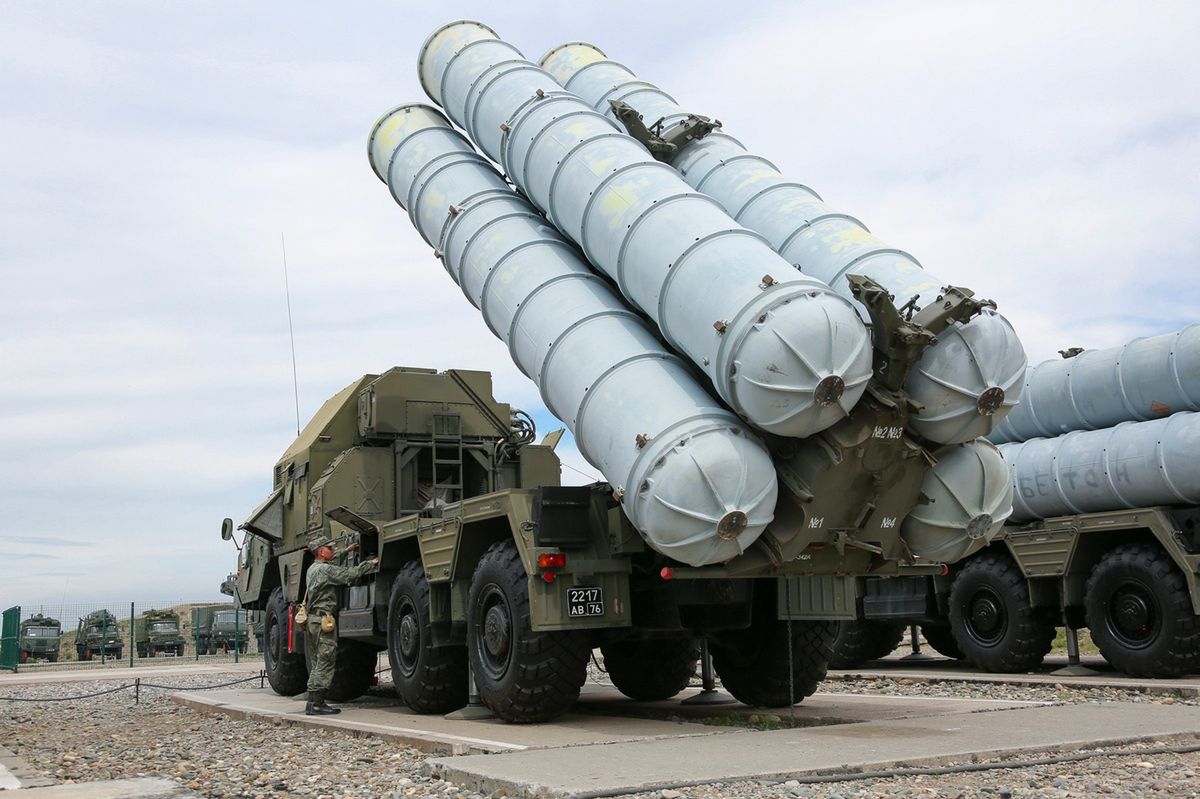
(227,529)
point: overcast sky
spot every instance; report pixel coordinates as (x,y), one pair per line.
(1046,155)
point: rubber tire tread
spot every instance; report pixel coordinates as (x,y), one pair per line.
(862,640)
(651,670)
(1177,650)
(941,639)
(1031,631)
(439,682)
(353,671)
(753,665)
(547,668)
(289,676)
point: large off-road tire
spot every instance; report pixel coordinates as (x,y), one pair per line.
(287,673)
(753,663)
(1140,613)
(522,675)
(651,670)
(941,638)
(53,658)
(862,640)
(992,620)
(428,679)
(353,669)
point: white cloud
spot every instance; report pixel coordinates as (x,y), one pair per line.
(1045,154)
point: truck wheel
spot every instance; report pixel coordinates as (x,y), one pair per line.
(862,640)
(992,620)
(287,673)
(522,675)
(428,679)
(753,663)
(353,669)
(1140,613)
(941,638)
(651,670)
(53,658)
(23,658)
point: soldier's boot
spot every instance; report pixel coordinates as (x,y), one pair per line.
(316,705)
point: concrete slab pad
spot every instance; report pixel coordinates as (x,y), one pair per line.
(388,719)
(945,670)
(617,768)
(140,788)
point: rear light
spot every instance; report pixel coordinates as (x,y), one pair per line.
(666,573)
(552,560)
(548,576)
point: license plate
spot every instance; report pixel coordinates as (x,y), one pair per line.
(585,602)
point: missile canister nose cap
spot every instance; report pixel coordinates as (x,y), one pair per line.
(441,45)
(704,498)
(972,496)
(563,61)
(394,127)
(969,380)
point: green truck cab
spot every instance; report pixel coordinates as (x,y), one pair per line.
(98,634)
(489,566)
(216,628)
(39,638)
(157,632)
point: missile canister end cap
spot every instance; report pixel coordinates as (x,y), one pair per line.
(563,61)
(969,380)
(441,45)
(801,364)
(972,497)
(394,126)
(705,497)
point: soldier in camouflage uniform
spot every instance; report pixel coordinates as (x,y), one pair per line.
(323,578)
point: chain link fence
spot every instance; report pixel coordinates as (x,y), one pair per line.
(79,635)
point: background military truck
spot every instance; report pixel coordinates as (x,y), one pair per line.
(1103,459)
(98,634)
(215,628)
(39,638)
(157,631)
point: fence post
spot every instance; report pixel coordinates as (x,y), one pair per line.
(10,639)
(104,638)
(237,628)
(131,636)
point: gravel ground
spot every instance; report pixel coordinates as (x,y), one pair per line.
(107,737)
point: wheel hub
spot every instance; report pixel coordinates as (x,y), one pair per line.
(496,637)
(409,637)
(1133,615)
(985,614)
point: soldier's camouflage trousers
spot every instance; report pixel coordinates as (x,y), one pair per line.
(324,649)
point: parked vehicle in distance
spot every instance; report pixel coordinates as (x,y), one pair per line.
(157,632)
(98,634)
(39,638)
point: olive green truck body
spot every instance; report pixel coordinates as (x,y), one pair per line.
(98,635)
(39,638)
(158,632)
(482,551)
(1131,576)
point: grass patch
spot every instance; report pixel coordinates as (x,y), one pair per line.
(1086,645)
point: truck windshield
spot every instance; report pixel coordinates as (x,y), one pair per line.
(226,617)
(164,627)
(41,632)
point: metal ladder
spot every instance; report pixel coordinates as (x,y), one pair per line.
(447,452)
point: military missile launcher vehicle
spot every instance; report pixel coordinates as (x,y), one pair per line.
(39,638)
(1103,534)
(765,436)
(98,634)
(157,632)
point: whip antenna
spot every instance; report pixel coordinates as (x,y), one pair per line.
(287,293)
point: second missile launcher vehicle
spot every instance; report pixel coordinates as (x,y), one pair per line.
(39,638)
(742,528)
